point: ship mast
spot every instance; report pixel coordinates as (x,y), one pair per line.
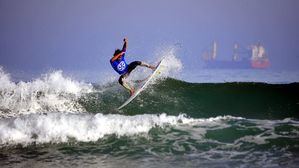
(214,50)
(254,50)
(261,51)
(235,52)
(211,52)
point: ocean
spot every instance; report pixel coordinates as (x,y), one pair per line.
(215,118)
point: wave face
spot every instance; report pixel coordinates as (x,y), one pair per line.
(54,92)
(171,96)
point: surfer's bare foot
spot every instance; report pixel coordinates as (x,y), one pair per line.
(132,91)
(152,67)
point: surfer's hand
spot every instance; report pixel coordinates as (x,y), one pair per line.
(125,39)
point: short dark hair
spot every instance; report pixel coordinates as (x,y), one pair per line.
(116,52)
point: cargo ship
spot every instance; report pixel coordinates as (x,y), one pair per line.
(258,58)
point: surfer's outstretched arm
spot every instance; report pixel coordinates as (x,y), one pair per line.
(125,45)
(119,53)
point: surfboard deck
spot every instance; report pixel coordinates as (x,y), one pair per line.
(137,92)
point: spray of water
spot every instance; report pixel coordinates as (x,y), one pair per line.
(171,66)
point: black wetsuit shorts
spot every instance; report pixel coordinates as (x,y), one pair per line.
(131,67)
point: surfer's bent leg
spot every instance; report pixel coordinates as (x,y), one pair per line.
(134,64)
(125,84)
(148,66)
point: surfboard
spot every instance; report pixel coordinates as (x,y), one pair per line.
(142,87)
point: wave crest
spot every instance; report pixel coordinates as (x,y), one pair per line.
(50,92)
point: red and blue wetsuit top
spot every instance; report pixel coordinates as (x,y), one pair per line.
(120,65)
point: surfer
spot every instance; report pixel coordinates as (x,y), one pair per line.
(119,64)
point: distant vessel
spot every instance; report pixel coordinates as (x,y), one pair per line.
(258,58)
(211,60)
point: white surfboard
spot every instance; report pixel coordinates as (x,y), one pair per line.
(156,71)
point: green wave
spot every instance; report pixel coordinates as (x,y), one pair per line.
(171,96)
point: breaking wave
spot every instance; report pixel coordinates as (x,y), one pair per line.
(67,127)
(62,127)
(51,92)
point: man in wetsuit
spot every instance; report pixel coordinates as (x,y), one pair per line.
(119,64)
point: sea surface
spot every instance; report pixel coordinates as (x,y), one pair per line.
(217,118)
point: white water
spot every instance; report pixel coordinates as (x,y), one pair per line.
(59,127)
(50,92)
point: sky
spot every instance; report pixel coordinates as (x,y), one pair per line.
(83,34)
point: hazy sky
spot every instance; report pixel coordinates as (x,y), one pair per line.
(82,35)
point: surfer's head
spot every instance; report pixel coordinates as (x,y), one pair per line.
(116,52)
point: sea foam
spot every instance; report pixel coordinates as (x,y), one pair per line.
(61,127)
(85,127)
(50,92)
